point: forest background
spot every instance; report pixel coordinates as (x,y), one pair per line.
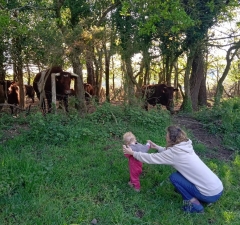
(176,42)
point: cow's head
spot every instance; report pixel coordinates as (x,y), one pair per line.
(168,91)
(168,95)
(13,88)
(63,82)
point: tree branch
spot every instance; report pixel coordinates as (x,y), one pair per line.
(107,11)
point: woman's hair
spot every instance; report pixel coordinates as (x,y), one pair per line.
(175,136)
(128,138)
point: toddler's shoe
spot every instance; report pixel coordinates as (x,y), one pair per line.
(137,190)
(130,184)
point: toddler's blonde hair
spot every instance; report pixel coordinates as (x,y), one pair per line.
(128,138)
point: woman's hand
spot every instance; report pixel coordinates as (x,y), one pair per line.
(152,144)
(127,150)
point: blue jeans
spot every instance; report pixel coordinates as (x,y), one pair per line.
(189,191)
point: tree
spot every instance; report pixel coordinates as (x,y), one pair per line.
(231,53)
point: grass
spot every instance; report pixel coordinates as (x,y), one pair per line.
(65,170)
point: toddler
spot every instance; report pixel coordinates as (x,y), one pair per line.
(135,166)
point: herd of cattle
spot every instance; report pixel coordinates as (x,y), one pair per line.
(42,85)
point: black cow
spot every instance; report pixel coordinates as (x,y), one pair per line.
(158,94)
(42,84)
(29,91)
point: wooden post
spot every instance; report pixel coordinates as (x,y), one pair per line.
(53,82)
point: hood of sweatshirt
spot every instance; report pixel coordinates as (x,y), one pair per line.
(185,146)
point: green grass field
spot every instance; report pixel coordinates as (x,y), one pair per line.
(67,170)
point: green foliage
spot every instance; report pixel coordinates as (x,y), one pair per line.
(120,119)
(200,148)
(187,105)
(164,14)
(4,22)
(72,178)
(224,120)
(78,9)
(56,129)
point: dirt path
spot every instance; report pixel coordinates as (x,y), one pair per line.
(213,143)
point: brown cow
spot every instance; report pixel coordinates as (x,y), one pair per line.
(42,83)
(11,92)
(158,94)
(13,96)
(89,91)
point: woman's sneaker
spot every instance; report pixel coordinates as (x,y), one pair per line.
(192,207)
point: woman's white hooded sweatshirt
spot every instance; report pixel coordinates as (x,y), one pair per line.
(183,158)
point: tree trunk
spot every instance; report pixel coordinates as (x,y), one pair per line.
(130,82)
(21,86)
(18,68)
(175,65)
(187,102)
(2,59)
(29,75)
(202,96)
(197,77)
(78,86)
(98,74)
(107,72)
(90,68)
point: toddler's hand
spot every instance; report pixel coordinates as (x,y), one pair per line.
(152,144)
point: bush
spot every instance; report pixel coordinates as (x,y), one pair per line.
(117,120)
(223,120)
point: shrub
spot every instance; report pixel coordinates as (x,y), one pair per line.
(223,120)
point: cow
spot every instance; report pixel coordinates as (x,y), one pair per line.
(29,91)
(11,93)
(88,88)
(89,91)
(42,84)
(158,94)
(13,96)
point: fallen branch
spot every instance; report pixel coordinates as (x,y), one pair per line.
(17,107)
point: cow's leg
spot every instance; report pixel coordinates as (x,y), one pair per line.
(146,105)
(48,107)
(43,106)
(16,110)
(11,108)
(159,106)
(170,107)
(65,102)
